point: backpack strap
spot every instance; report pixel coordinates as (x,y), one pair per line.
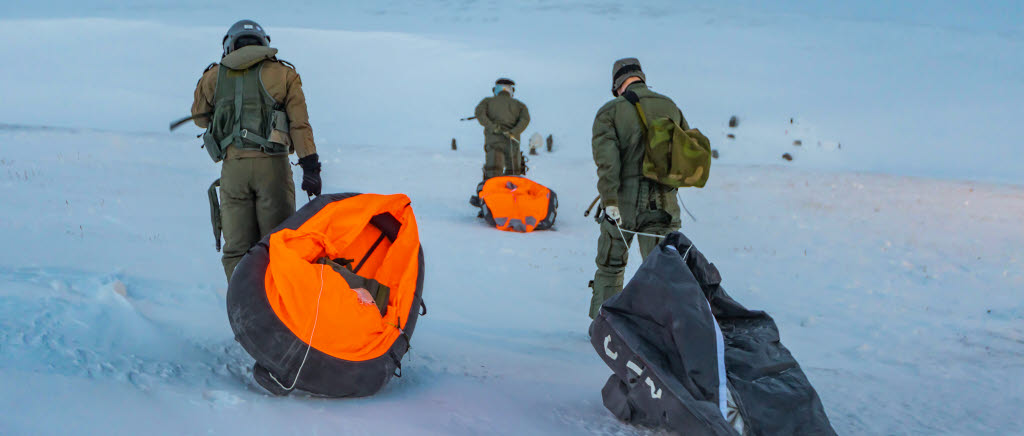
(635,99)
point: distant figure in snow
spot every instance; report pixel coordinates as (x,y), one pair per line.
(631,201)
(504,119)
(253,108)
(536,140)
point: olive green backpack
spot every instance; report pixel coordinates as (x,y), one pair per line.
(245,115)
(673,156)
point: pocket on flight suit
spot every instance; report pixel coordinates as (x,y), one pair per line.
(611,251)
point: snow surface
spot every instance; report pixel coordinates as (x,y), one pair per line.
(900,296)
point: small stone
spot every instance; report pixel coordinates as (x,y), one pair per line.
(734,121)
(798,142)
(120,288)
(714,153)
(787,156)
(730,136)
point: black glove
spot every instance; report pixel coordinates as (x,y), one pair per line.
(311,174)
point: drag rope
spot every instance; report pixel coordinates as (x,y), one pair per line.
(644,234)
(632,232)
(680,197)
(309,344)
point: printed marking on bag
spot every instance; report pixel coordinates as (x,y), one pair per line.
(654,393)
(608,351)
(636,368)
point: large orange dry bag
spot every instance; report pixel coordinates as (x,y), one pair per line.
(328,301)
(518,204)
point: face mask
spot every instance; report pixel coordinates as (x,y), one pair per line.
(498,88)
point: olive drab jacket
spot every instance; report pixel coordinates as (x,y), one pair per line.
(618,146)
(280,81)
(502,113)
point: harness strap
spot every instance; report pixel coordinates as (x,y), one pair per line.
(631,97)
(236,132)
(249,135)
(640,110)
(370,252)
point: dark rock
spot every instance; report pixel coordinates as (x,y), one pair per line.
(453,144)
(798,142)
(734,122)
(714,153)
(551,142)
(730,136)
(787,156)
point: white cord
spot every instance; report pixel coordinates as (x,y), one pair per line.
(645,234)
(310,343)
(680,198)
(634,233)
(624,241)
(641,233)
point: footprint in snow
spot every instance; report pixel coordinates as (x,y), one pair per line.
(222,398)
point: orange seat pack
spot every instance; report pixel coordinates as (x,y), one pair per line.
(518,204)
(284,300)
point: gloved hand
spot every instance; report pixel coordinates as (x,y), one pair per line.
(497,130)
(311,174)
(612,212)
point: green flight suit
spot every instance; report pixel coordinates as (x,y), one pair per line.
(256,195)
(256,187)
(503,117)
(645,205)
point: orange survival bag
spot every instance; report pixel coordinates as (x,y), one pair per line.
(300,303)
(517,204)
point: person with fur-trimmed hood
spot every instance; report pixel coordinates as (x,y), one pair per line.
(253,108)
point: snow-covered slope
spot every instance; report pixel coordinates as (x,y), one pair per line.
(899,296)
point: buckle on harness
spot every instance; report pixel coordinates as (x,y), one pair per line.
(244,133)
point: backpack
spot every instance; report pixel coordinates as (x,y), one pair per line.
(673,156)
(245,115)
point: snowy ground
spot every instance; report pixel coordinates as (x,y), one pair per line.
(900,296)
